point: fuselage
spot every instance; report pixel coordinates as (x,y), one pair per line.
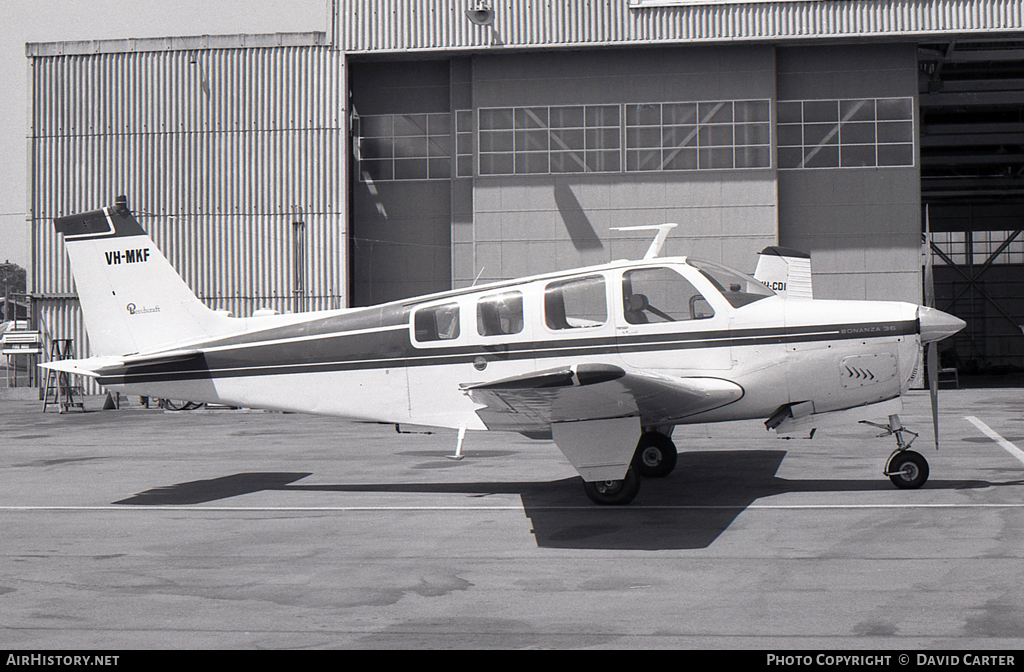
(404,362)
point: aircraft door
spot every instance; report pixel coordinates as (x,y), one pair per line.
(664,322)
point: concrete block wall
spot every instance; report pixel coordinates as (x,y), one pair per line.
(530,224)
(861,226)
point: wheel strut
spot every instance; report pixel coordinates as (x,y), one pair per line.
(905,468)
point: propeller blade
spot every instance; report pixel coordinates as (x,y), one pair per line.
(929,273)
(933,386)
(932,353)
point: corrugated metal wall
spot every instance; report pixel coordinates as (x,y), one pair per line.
(219,152)
(385,25)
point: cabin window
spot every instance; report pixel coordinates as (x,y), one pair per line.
(576,304)
(437,323)
(500,314)
(737,288)
(652,295)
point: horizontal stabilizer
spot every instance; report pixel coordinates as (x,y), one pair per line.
(95,367)
(83,367)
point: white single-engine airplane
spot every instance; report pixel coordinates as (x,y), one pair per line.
(606,360)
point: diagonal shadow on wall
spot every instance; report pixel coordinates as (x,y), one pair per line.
(581,231)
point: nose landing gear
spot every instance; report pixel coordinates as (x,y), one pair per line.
(906,468)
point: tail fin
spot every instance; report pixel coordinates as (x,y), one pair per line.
(786,271)
(132,298)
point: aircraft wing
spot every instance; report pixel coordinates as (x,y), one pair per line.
(532,402)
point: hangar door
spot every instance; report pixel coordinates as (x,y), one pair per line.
(401,186)
(972,185)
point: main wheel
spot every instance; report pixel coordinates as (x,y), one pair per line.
(613,492)
(907,470)
(655,455)
(173,405)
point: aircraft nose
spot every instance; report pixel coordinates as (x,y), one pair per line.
(937,325)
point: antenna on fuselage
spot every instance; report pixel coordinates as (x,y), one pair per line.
(478,276)
(659,239)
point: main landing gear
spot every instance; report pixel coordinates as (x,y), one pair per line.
(655,457)
(614,492)
(906,468)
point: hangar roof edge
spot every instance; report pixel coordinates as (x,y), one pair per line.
(143,44)
(492,26)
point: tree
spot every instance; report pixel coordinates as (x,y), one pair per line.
(13,280)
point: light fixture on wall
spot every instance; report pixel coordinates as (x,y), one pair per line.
(481,14)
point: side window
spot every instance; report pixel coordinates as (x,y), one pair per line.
(576,303)
(500,314)
(651,295)
(437,323)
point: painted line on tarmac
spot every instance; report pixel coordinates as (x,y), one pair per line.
(992,434)
(519,508)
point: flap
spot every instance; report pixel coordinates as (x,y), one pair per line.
(600,450)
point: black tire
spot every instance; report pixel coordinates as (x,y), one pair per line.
(907,470)
(655,456)
(173,405)
(614,493)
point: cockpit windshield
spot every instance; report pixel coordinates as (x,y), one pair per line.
(739,289)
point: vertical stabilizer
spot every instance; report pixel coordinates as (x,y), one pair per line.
(785,271)
(132,298)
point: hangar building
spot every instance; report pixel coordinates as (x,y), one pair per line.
(423,145)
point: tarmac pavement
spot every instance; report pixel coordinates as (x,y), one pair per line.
(142,529)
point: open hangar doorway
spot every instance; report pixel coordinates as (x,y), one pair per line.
(972,190)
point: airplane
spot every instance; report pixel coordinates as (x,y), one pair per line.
(605,360)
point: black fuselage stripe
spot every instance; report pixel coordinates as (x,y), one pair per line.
(296,357)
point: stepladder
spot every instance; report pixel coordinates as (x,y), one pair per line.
(59,389)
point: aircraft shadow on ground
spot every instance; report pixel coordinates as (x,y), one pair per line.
(689,509)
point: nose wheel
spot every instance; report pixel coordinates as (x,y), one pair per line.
(907,469)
